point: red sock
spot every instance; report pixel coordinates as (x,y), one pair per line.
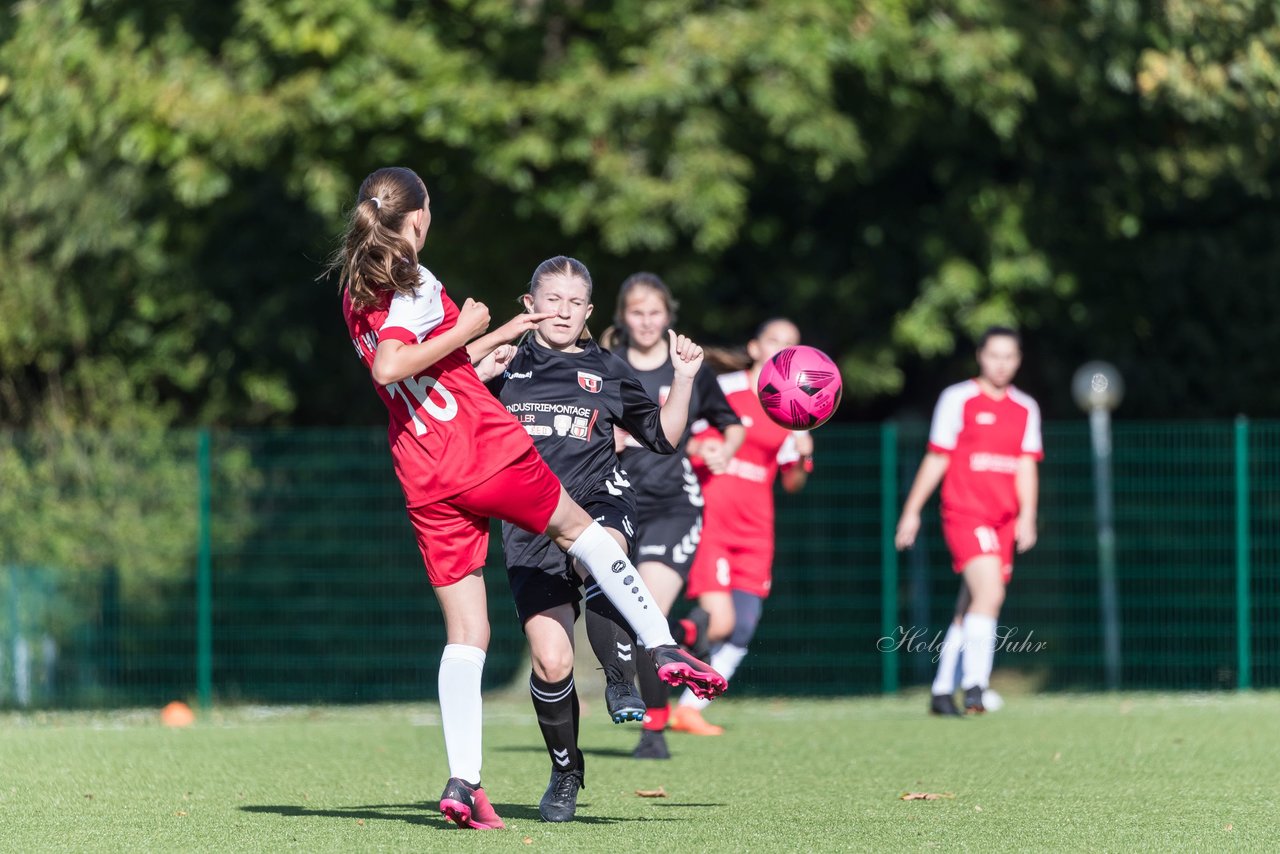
(690,632)
(656,719)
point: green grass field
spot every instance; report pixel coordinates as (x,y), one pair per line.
(1101,773)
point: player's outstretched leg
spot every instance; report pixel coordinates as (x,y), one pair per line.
(677,667)
(468,806)
(619,580)
(615,648)
(560,801)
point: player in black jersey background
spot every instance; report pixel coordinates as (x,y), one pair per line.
(569,395)
(668,497)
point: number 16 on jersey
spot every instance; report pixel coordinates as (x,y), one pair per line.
(416,393)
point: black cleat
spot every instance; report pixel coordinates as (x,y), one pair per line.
(945,705)
(653,745)
(677,667)
(560,802)
(973,701)
(624,705)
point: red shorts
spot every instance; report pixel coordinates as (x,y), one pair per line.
(969,537)
(453,534)
(722,565)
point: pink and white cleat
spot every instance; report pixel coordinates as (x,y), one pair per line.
(468,806)
(677,667)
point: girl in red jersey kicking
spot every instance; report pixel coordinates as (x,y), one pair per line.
(461,459)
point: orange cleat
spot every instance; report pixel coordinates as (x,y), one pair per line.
(690,720)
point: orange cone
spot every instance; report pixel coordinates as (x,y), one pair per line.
(177,714)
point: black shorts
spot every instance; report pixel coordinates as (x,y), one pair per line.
(540,573)
(670,538)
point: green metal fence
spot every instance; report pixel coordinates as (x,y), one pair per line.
(280,567)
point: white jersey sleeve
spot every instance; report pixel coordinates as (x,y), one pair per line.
(948,416)
(734,382)
(789,453)
(1032,441)
(418,313)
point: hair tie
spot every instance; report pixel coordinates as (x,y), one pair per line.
(377,203)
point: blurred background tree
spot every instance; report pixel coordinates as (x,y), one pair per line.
(895,174)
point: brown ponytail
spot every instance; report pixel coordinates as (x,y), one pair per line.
(725,360)
(374,258)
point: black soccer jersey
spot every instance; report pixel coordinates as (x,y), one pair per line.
(660,480)
(569,404)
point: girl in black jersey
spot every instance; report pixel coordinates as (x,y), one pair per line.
(668,497)
(570,394)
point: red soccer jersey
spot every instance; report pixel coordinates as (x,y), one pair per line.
(447,432)
(739,503)
(984,438)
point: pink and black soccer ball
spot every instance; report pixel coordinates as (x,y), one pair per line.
(800,387)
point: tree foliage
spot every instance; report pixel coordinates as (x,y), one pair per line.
(895,174)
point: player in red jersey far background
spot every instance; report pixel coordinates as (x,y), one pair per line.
(984,447)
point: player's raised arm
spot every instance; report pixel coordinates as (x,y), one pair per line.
(513,329)
(395,360)
(686,359)
(640,418)
(491,366)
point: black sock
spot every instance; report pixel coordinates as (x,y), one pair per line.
(611,638)
(690,631)
(655,692)
(556,704)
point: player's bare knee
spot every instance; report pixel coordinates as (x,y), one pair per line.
(469,634)
(552,665)
(567,523)
(988,602)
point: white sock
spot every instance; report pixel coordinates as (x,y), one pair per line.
(979,650)
(461,709)
(948,658)
(622,584)
(725,658)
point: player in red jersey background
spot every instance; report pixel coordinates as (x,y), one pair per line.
(462,458)
(984,447)
(733,568)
